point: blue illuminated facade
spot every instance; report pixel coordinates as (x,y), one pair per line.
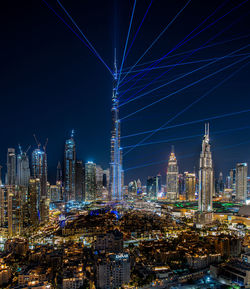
(116,172)
(69,169)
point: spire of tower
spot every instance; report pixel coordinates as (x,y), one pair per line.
(72,133)
(172,149)
(115,65)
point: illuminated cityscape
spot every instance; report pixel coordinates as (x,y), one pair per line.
(151,189)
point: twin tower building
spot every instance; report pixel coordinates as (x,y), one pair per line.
(206,176)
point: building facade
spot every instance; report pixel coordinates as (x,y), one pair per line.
(190,186)
(241,182)
(69,169)
(11,167)
(23,169)
(172,177)
(90,182)
(206,175)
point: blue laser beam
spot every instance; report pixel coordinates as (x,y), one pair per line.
(188,137)
(191,62)
(183,42)
(137,31)
(126,44)
(83,35)
(182,59)
(157,38)
(191,104)
(72,30)
(186,156)
(175,47)
(185,52)
(157,163)
(157,81)
(184,75)
(190,122)
(185,87)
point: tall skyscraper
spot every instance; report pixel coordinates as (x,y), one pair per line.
(90,181)
(69,169)
(23,169)
(80,196)
(172,177)
(189,186)
(34,192)
(116,172)
(241,182)
(206,175)
(15,213)
(11,167)
(39,171)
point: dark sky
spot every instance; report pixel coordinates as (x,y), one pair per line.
(51,82)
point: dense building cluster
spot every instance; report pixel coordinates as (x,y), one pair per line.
(77,233)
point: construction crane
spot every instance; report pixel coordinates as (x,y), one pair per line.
(38,144)
(45,145)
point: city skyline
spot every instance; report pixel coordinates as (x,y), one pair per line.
(125,149)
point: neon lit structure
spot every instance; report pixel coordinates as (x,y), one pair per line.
(116,172)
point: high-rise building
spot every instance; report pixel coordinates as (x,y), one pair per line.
(206,175)
(11,167)
(232,175)
(113,271)
(80,196)
(241,182)
(39,171)
(90,181)
(116,172)
(23,169)
(152,187)
(15,212)
(190,186)
(34,192)
(172,177)
(3,211)
(219,185)
(181,186)
(55,192)
(69,169)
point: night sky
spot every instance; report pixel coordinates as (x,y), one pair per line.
(52,83)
